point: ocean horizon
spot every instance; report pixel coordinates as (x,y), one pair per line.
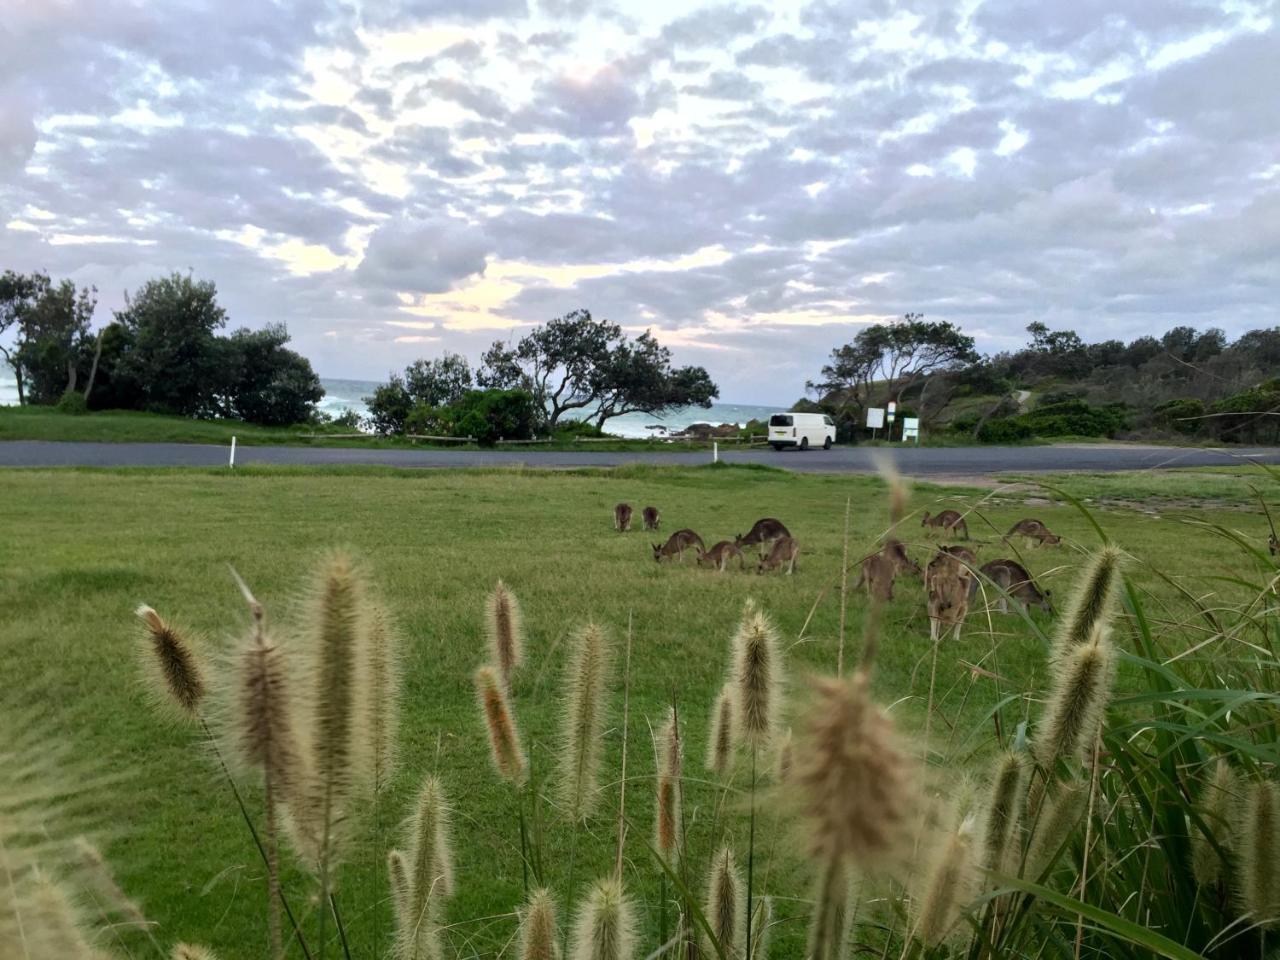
(341,394)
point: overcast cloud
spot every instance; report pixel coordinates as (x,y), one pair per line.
(750,181)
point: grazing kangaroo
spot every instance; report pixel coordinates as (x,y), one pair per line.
(676,545)
(622,517)
(948,604)
(949,521)
(955,563)
(963,554)
(720,555)
(784,551)
(762,532)
(651,518)
(881,568)
(1033,530)
(1014,581)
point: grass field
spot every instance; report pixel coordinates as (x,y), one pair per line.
(83,548)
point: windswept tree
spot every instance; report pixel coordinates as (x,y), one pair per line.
(51,343)
(895,356)
(438,382)
(265,382)
(578,363)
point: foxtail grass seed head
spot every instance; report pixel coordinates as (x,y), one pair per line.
(173,663)
(39,919)
(899,489)
(757,674)
(384,666)
(667,803)
(187,951)
(1217,810)
(538,937)
(1003,810)
(430,854)
(106,890)
(605,926)
(506,633)
(786,757)
(1259,871)
(504,739)
(1060,816)
(725,910)
(1081,690)
(854,780)
(586,682)
(264,718)
(401,890)
(722,734)
(948,886)
(761,928)
(1092,603)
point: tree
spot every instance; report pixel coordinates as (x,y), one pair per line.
(17,295)
(897,354)
(172,355)
(561,363)
(55,341)
(639,379)
(265,383)
(425,383)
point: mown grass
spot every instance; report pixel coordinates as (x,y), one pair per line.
(1234,485)
(83,548)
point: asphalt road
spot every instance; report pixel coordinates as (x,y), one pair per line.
(912,461)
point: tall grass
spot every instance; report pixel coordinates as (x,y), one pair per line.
(1126,807)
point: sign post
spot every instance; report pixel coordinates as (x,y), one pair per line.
(893,410)
(875,419)
(911,429)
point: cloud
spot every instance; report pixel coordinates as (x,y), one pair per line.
(421,256)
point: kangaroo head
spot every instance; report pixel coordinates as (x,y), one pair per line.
(924,521)
(657,551)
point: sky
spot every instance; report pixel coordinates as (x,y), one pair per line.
(751,182)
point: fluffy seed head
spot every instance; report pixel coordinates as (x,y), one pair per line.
(587,679)
(430,856)
(187,951)
(263,720)
(1062,812)
(667,806)
(1081,689)
(504,739)
(106,890)
(173,664)
(401,890)
(1217,810)
(1003,810)
(506,636)
(538,939)
(786,757)
(1092,604)
(725,911)
(948,886)
(605,926)
(1260,853)
(899,489)
(854,780)
(722,733)
(756,674)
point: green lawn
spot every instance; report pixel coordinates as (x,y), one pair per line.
(83,548)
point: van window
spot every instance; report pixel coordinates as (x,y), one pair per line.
(780,420)
(828,421)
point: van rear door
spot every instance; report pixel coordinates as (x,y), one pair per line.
(782,427)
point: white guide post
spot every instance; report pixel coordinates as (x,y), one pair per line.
(715,451)
(232,463)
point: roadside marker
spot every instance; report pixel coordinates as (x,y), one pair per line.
(715,451)
(233,451)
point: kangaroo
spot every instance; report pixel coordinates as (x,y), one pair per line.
(963,554)
(720,555)
(762,532)
(949,521)
(651,518)
(1273,544)
(950,563)
(676,545)
(1033,530)
(948,604)
(622,517)
(1014,581)
(784,551)
(881,568)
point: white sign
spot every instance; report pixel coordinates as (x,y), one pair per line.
(910,428)
(875,418)
(893,407)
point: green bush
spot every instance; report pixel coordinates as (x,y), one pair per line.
(72,403)
(1006,430)
(485,416)
(568,429)
(1174,413)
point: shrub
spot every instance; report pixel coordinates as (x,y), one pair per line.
(484,415)
(1006,430)
(1175,415)
(568,429)
(72,403)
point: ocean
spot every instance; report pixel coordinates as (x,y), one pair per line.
(343,395)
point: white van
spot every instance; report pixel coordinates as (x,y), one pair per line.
(803,430)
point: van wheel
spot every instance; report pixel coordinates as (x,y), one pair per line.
(826,444)
(804,443)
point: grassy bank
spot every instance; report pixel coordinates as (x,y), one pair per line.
(83,548)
